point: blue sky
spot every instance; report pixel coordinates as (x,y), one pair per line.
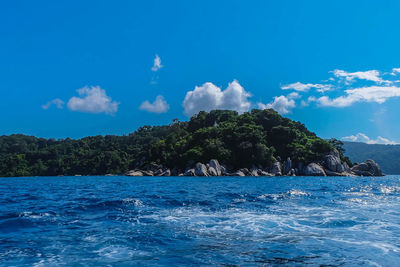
(78,68)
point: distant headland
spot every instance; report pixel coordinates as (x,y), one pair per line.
(215,143)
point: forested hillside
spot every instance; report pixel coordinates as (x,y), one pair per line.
(387,156)
(259,137)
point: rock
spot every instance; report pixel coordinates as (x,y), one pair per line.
(287,166)
(212,171)
(223,170)
(333,163)
(217,167)
(238,173)
(276,169)
(200,169)
(367,168)
(189,172)
(292,172)
(245,171)
(314,169)
(147,173)
(134,173)
(346,167)
(254,172)
(166,173)
(264,173)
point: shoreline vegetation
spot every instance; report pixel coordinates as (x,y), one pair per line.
(215,143)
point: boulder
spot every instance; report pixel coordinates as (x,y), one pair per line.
(167,172)
(287,166)
(264,173)
(245,171)
(200,169)
(217,167)
(346,167)
(254,172)
(238,173)
(189,172)
(212,171)
(276,169)
(292,172)
(333,163)
(147,173)
(314,169)
(367,168)
(134,173)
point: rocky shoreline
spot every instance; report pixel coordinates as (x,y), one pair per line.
(329,165)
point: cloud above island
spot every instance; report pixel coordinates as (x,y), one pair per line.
(93,100)
(158,106)
(345,88)
(209,97)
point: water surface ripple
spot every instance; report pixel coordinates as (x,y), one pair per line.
(167,221)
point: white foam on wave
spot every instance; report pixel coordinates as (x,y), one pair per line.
(290,193)
(133,201)
(389,189)
(31,215)
(295,192)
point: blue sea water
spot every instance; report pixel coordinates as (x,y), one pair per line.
(170,221)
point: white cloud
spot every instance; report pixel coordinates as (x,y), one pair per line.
(158,106)
(370,75)
(304,87)
(57,102)
(360,137)
(93,100)
(157,63)
(395,71)
(209,96)
(281,104)
(293,95)
(378,94)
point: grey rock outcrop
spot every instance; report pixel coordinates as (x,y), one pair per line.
(189,172)
(367,168)
(200,169)
(212,171)
(217,167)
(238,173)
(314,169)
(276,169)
(134,173)
(333,163)
(167,172)
(287,166)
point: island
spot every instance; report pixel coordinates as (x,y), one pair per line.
(215,143)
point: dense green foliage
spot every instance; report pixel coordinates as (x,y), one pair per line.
(256,137)
(387,156)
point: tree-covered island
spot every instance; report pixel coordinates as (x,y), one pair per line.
(220,142)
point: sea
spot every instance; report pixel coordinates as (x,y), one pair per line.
(200,221)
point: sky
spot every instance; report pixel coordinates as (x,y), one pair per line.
(82,68)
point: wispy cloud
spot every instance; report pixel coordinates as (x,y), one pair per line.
(395,71)
(209,96)
(157,63)
(360,137)
(378,94)
(370,75)
(57,102)
(158,106)
(304,87)
(93,100)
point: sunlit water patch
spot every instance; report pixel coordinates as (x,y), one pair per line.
(166,221)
